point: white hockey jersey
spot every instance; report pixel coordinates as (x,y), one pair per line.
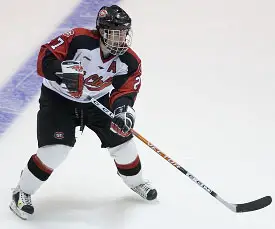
(117,75)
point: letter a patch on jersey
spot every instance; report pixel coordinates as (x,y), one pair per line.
(112,67)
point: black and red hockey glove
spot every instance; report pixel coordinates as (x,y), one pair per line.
(123,121)
(72,76)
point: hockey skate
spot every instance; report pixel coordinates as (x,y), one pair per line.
(146,191)
(21,204)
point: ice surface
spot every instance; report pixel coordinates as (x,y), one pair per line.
(207,101)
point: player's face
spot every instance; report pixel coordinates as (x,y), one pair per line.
(117,41)
(116,38)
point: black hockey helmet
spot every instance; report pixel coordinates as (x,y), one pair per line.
(114,26)
(113,17)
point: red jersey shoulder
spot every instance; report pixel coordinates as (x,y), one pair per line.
(60,45)
(82,32)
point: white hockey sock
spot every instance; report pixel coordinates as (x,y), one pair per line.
(28,182)
(128,163)
(41,165)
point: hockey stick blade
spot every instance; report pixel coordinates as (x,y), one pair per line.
(254,205)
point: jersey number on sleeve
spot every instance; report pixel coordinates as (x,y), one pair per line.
(137,83)
(60,42)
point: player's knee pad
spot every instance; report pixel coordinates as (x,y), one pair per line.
(124,153)
(53,155)
(128,163)
(41,165)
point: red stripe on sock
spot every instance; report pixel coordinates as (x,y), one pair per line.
(41,165)
(130,165)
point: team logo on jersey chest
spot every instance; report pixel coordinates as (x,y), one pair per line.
(95,82)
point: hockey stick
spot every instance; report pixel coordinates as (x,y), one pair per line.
(245,207)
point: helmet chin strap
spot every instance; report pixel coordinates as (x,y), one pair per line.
(104,49)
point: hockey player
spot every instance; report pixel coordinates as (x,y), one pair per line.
(77,66)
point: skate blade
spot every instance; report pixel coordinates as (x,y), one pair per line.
(18,212)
